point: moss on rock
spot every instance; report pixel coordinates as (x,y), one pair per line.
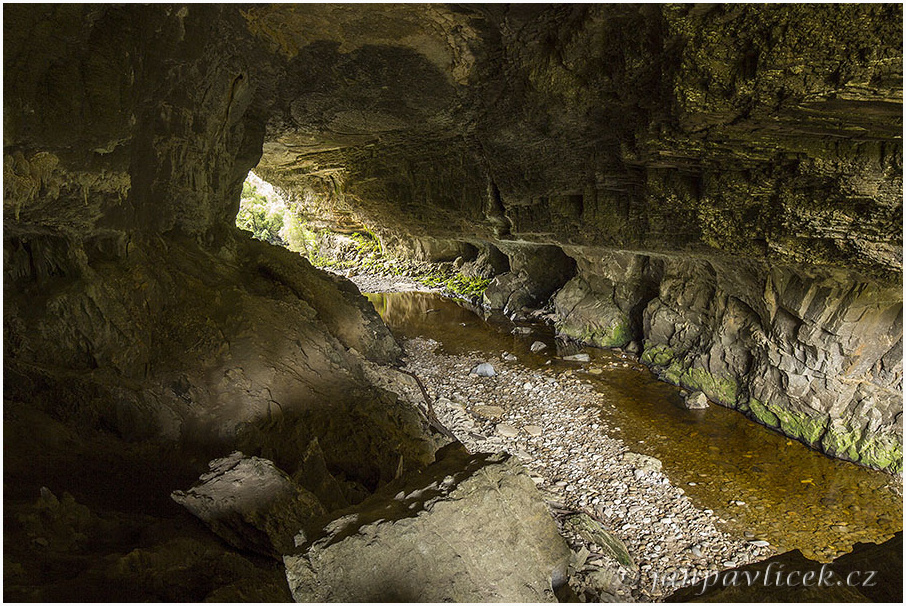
(793,423)
(676,370)
(881,451)
(615,334)
(657,355)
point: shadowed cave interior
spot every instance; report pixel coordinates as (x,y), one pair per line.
(637,209)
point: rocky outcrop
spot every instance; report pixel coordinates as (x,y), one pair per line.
(535,273)
(731,172)
(719,130)
(169,340)
(104,555)
(251,504)
(814,354)
(468,528)
(814,357)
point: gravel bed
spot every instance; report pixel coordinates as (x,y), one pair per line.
(381,284)
(550,420)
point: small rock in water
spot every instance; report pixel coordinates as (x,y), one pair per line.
(696,401)
(508,357)
(532,430)
(507,431)
(759,543)
(522,330)
(594,370)
(484,370)
(748,535)
(579,357)
(643,462)
(538,346)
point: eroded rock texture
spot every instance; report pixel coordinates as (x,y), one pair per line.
(468,528)
(812,353)
(722,183)
(251,504)
(738,168)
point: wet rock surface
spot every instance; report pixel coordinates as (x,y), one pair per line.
(468,528)
(808,353)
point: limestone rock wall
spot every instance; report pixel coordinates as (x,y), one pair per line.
(127,118)
(164,339)
(763,132)
(742,163)
(740,166)
(808,352)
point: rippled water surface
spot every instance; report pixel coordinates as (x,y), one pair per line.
(792,496)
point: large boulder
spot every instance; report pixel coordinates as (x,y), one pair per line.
(251,504)
(470,528)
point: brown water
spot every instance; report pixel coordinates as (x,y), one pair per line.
(793,497)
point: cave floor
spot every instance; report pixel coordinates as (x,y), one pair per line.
(727,483)
(88,517)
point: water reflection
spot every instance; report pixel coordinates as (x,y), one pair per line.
(760,481)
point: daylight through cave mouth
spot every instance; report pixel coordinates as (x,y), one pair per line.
(659,250)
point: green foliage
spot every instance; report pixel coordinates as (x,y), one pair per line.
(465,286)
(297,236)
(271,221)
(259,216)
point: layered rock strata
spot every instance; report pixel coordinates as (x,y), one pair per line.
(812,353)
(752,149)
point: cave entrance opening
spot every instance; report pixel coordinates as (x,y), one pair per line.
(337,241)
(273,216)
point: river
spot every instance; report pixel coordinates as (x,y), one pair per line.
(763,483)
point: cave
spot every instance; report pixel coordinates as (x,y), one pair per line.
(701,203)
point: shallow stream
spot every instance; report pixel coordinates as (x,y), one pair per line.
(762,483)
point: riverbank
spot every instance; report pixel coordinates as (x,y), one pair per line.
(750,483)
(550,420)
(373,283)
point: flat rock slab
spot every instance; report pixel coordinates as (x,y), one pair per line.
(533,430)
(488,412)
(251,504)
(470,528)
(507,431)
(579,357)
